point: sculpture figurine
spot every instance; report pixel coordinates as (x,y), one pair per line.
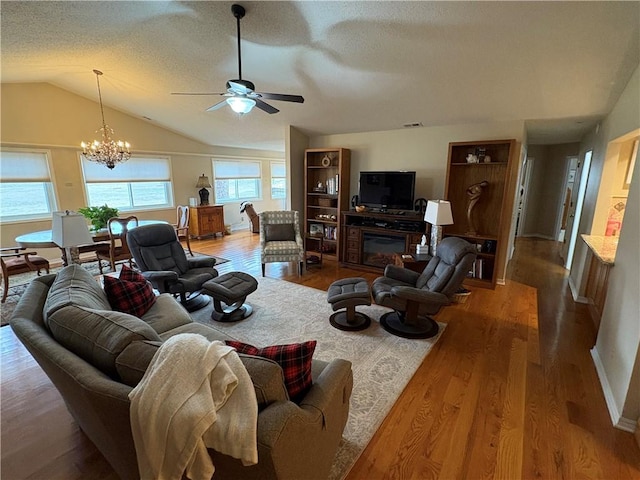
(474,192)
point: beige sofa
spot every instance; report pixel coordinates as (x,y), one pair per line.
(95,350)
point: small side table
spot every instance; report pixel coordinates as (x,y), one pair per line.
(412,261)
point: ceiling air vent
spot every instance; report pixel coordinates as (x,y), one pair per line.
(413,125)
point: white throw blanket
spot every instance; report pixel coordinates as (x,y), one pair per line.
(195,394)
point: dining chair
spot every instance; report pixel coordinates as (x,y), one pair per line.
(182,225)
(15,260)
(117,250)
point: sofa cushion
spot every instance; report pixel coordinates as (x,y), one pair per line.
(74,286)
(134,360)
(166,314)
(265,374)
(98,336)
(294,359)
(129,293)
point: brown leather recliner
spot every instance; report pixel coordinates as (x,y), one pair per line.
(413,296)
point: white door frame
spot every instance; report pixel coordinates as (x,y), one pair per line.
(523,185)
(563,195)
(582,189)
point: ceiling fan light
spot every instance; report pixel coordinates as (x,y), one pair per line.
(241,105)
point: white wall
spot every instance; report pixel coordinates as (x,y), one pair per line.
(619,333)
(40,115)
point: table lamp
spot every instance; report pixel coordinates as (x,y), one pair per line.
(203,184)
(69,229)
(438,213)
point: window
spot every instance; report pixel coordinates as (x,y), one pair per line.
(138,184)
(278,180)
(26,191)
(236,180)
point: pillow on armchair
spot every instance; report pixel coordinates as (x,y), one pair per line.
(279,232)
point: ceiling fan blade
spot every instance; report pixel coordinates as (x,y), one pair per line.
(216,106)
(265,106)
(196,93)
(240,87)
(282,97)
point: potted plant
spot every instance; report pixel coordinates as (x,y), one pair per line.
(98,215)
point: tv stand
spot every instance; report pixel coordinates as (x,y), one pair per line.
(372,239)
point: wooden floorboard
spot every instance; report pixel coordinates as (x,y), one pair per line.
(510,390)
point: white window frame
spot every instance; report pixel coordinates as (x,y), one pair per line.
(278,164)
(238,161)
(125,173)
(48,183)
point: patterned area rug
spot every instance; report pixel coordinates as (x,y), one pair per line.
(382,363)
(18,284)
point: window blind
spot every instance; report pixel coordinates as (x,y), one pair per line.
(20,167)
(136,169)
(236,169)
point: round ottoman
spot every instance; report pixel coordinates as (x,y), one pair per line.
(229,291)
(348,293)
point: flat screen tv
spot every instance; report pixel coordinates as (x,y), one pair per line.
(387,190)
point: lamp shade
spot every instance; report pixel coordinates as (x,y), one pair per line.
(69,229)
(438,212)
(203,182)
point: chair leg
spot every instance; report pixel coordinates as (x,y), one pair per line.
(5,279)
(263,269)
(188,244)
(301,268)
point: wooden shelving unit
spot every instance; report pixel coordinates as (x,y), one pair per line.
(491,215)
(326,180)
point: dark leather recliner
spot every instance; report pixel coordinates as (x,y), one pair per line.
(161,259)
(413,296)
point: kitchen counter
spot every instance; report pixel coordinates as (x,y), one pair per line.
(604,248)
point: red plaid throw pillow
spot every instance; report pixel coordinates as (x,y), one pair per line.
(295,360)
(131,293)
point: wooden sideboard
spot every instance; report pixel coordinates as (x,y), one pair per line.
(206,220)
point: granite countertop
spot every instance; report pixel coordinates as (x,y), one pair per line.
(602,247)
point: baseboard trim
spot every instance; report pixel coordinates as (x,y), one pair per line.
(617,419)
(574,293)
(501,281)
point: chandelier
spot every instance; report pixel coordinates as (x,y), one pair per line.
(109,152)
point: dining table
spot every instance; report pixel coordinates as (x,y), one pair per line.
(44,239)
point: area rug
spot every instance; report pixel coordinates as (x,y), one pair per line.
(18,284)
(382,363)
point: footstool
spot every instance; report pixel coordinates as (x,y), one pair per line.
(229,291)
(348,293)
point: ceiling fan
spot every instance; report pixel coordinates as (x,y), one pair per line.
(241,94)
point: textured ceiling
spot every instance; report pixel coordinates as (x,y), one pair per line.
(361,66)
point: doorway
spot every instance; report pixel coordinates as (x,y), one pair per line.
(572,165)
(575,209)
(523,186)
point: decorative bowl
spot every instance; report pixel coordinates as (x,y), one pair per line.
(360,208)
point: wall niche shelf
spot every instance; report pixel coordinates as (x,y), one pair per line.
(487,227)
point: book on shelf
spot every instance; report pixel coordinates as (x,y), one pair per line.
(477,269)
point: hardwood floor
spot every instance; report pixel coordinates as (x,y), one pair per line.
(510,390)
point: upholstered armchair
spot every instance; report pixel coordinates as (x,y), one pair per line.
(161,259)
(280,239)
(414,296)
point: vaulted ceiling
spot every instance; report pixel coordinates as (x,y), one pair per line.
(361,66)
